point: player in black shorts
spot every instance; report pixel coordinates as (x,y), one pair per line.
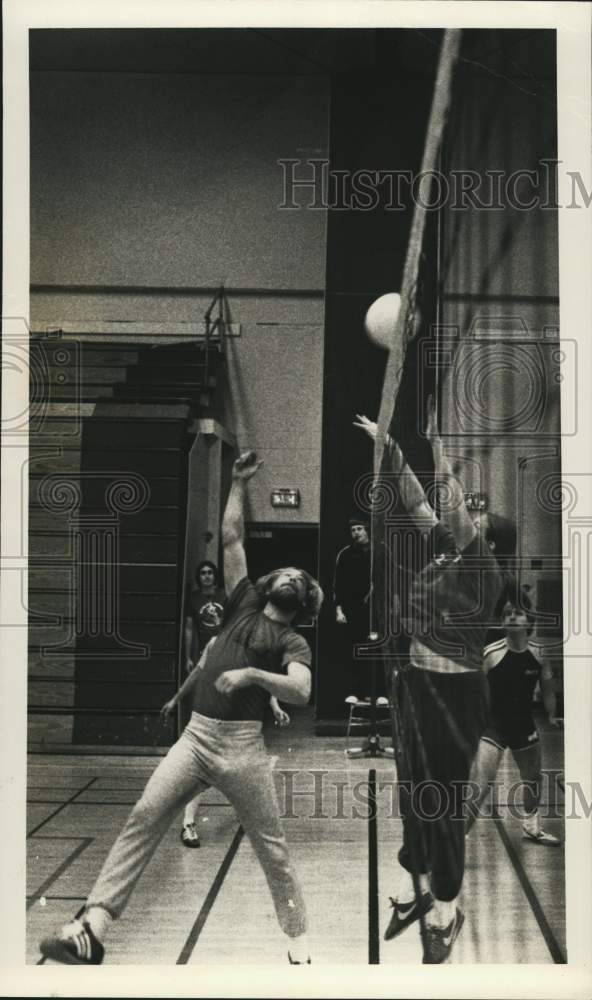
(513,665)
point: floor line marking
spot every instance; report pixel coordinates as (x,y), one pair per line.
(32,899)
(61,899)
(550,939)
(63,806)
(202,916)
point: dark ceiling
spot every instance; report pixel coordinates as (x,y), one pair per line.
(526,54)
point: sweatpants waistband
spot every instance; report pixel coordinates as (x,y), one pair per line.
(230,727)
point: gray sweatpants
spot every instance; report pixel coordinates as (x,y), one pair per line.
(231,757)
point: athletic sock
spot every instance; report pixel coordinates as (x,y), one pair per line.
(442,912)
(298,948)
(532,822)
(190,814)
(99,921)
(424,883)
(405,889)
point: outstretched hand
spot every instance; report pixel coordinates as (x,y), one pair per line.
(246,465)
(168,708)
(366,425)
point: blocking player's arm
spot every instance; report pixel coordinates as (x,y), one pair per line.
(455,513)
(233,522)
(411,491)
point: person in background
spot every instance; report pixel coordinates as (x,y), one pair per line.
(514,664)
(351,592)
(204,612)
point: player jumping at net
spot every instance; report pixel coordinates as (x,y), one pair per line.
(443,692)
(256,653)
(513,666)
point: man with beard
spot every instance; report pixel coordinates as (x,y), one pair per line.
(256,654)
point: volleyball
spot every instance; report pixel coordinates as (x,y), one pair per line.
(381,319)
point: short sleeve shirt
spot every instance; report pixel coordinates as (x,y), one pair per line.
(452,599)
(207,611)
(248,638)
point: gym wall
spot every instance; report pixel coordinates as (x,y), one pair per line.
(148,190)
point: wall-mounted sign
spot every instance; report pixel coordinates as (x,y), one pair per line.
(476,501)
(284,496)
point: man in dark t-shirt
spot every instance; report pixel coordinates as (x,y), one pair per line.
(351,594)
(256,654)
(204,612)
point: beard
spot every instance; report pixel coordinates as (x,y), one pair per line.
(284,598)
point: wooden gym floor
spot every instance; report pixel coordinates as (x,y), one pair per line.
(212,905)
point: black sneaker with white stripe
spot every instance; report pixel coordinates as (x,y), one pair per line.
(74,944)
(439,940)
(405,913)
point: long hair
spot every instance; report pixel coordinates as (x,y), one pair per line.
(313,598)
(211,565)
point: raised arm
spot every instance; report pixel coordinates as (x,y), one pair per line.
(233,522)
(410,490)
(453,511)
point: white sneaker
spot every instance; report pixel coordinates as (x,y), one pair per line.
(352,699)
(295,961)
(540,836)
(381,702)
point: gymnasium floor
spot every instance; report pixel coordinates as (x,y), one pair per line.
(212,906)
